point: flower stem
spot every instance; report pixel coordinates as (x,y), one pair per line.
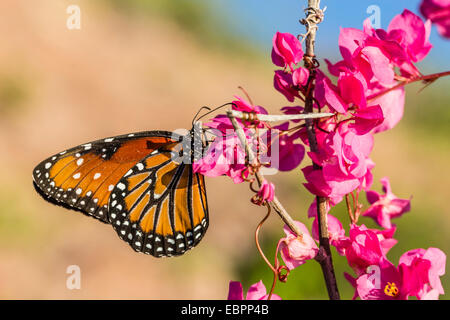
(429,77)
(349,209)
(275,203)
(315,16)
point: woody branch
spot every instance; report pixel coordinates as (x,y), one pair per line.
(314,15)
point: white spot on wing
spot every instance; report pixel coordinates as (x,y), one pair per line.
(128,172)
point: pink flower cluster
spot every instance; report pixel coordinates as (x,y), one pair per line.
(364,101)
(417,274)
(366,96)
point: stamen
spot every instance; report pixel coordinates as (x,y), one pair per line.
(391,289)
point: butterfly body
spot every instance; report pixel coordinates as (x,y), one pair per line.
(140,183)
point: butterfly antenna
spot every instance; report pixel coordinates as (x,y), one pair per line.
(195,117)
(215,109)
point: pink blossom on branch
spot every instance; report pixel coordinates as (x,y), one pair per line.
(300,77)
(284,83)
(368,69)
(266,193)
(389,285)
(296,250)
(438,11)
(256,291)
(287,50)
(418,274)
(412,34)
(225,155)
(344,158)
(385,207)
(436,260)
(364,249)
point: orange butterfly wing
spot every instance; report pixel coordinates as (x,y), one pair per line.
(160,207)
(83,177)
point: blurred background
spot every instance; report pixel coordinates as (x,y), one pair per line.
(151,64)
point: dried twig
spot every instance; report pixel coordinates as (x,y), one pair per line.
(275,204)
(278,117)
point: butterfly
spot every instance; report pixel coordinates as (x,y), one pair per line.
(141,183)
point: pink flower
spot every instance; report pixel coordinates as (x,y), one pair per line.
(436,259)
(296,250)
(364,53)
(328,94)
(336,233)
(283,82)
(256,291)
(367,119)
(290,151)
(344,158)
(438,11)
(412,34)
(384,282)
(385,207)
(300,76)
(405,42)
(287,50)
(352,88)
(364,249)
(351,91)
(225,156)
(265,193)
(417,275)
(375,53)
(244,106)
(317,185)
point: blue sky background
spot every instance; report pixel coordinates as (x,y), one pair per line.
(260,19)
